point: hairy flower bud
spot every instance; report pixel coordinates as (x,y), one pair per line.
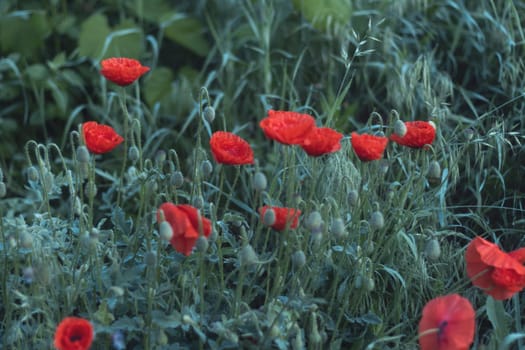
(377,220)
(209,114)
(259,181)
(32,173)
(433,249)
(269,217)
(400,129)
(434,171)
(298,259)
(314,221)
(338,228)
(150,258)
(177,179)
(206,168)
(247,256)
(352,197)
(82,154)
(201,245)
(133,153)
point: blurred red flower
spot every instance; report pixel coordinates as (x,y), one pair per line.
(321,141)
(368,147)
(74,333)
(100,138)
(499,274)
(122,71)
(283,217)
(289,128)
(228,148)
(447,323)
(419,134)
(186,223)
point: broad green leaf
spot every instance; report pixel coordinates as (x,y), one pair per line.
(187,32)
(498,318)
(327,14)
(126,40)
(23,32)
(93,34)
(158,85)
(37,72)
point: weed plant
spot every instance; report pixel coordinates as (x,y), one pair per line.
(375,241)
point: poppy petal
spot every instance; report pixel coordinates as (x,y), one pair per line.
(368,147)
(289,128)
(228,148)
(122,71)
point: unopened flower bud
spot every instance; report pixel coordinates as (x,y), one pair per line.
(32,174)
(3,189)
(469,133)
(48,180)
(338,228)
(269,217)
(259,181)
(165,231)
(247,256)
(400,129)
(177,179)
(314,221)
(82,154)
(377,220)
(206,168)
(432,124)
(434,170)
(433,249)
(160,156)
(298,259)
(352,197)
(198,202)
(133,153)
(150,258)
(209,113)
(90,190)
(202,244)
(25,240)
(370,284)
(28,274)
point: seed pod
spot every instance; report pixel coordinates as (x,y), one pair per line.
(165,231)
(133,153)
(400,129)
(433,249)
(82,154)
(377,220)
(209,113)
(269,217)
(259,181)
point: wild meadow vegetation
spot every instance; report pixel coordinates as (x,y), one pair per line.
(368,243)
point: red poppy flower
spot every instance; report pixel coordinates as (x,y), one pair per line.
(289,128)
(499,274)
(419,134)
(321,141)
(186,223)
(122,71)
(100,138)
(74,333)
(230,149)
(283,216)
(447,323)
(368,147)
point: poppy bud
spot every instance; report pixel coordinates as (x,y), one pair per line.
(48,180)
(90,189)
(209,113)
(377,220)
(206,168)
(160,156)
(3,189)
(133,153)
(177,179)
(298,259)
(370,284)
(269,217)
(247,256)
(432,249)
(400,129)
(202,244)
(352,197)
(150,258)
(151,186)
(434,171)
(25,240)
(28,274)
(338,228)
(198,202)
(259,181)
(314,221)
(82,154)
(469,134)
(32,174)
(165,231)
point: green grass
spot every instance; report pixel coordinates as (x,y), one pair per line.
(66,250)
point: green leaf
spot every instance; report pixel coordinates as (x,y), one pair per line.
(126,40)
(498,318)
(93,34)
(151,10)
(23,32)
(37,72)
(158,85)
(327,14)
(187,32)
